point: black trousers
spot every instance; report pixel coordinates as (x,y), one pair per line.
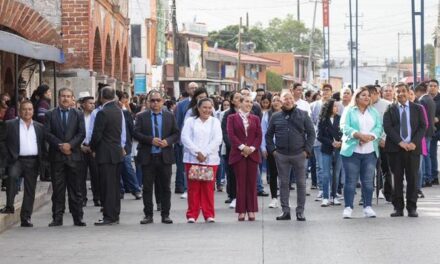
(91,167)
(66,175)
(110,181)
(385,182)
(404,164)
(231,187)
(273,172)
(156,170)
(28,169)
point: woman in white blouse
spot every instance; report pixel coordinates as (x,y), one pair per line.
(201,137)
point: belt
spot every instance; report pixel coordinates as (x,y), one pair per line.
(28,157)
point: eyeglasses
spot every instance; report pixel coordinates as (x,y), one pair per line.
(155,100)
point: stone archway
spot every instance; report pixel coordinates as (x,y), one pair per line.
(108,58)
(125,74)
(97,53)
(28,23)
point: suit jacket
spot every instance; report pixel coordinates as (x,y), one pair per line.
(391,123)
(237,136)
(143,132)
(74,134)
(430,107)
(13,141)
(129,124)
(328,133)
(3,150)
(106,137)
(181,108)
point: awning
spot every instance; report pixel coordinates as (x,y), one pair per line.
(15,44)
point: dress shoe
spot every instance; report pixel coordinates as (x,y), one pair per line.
(228,201)
(7,210)
(220,188)
(159,207)
(435,182)
(121,196)
(26,223)
(84,203)
(427,184)
(241,217)
(263,194)
(147,220)
(106,223)
(284,216)
(251,217)
(300,217)
(97,203)
(412,213)
(420,194)
(397,213)
(101,209)
(56,223)
(79,222)
(137,195)
(314,187)
(166,220)
(179,190)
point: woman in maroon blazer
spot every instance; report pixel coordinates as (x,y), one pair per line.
(244,131)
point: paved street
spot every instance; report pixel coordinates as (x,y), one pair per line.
(324,238)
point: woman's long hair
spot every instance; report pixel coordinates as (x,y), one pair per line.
(327,110)
(197,92)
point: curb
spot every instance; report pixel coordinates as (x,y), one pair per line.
(9,220)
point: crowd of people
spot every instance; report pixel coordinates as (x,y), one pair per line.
(371,137)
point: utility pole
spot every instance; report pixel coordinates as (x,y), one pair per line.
(298,9)
(309,64)
(420,13)
(357,43)
(239,56)
(176,85)
(351,45)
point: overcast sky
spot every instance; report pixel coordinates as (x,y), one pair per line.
(381,20)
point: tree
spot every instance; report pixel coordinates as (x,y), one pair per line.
(429,59)
(274,81)
(227,37)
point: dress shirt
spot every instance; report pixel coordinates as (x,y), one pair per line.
(304,105)
(366,124)
(28,140)
(408,124)
(204,137)
(245,118)
(159,116)
(87,126)
(92,124)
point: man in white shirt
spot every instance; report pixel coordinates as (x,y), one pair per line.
(297,92)
(25,146)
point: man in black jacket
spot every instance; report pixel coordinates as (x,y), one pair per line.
(25,148)
(405,126)
(65,132)
(294,137)
(157,131)
(434,93)
(106,143)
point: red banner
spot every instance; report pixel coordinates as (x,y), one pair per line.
(325,12)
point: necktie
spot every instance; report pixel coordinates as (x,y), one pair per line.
(64,117)
(403,123)
(156,125)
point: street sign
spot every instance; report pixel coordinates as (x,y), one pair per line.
(437,72)
(140,84)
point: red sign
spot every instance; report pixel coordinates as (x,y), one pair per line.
(325,11)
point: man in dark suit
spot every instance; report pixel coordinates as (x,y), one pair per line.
(428,103)
(157,131)
(405,126)
(25,147)
(106,143)
(65,132)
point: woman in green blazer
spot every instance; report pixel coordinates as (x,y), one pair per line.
(361,127)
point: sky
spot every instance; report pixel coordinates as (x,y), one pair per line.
(379,22)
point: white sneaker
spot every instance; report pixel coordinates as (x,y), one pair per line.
(274,203)
(339,196)
(319,196)
(233,203)
(336,201)
(369,213)
(184,195)
(347,213)
(191,221)
(325,203)
(381,196)
(210,220)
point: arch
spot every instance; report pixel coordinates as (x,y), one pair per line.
(125,74)
(28,23)
(108,57)
(97,53)
(117,71)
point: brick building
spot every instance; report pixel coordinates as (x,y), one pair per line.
(86,39)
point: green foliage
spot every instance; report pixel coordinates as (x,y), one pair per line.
(281,35)
(274,82)
(429,59)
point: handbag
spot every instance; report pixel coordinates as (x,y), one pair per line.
(201,173)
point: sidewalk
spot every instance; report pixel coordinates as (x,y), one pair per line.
(41,198)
